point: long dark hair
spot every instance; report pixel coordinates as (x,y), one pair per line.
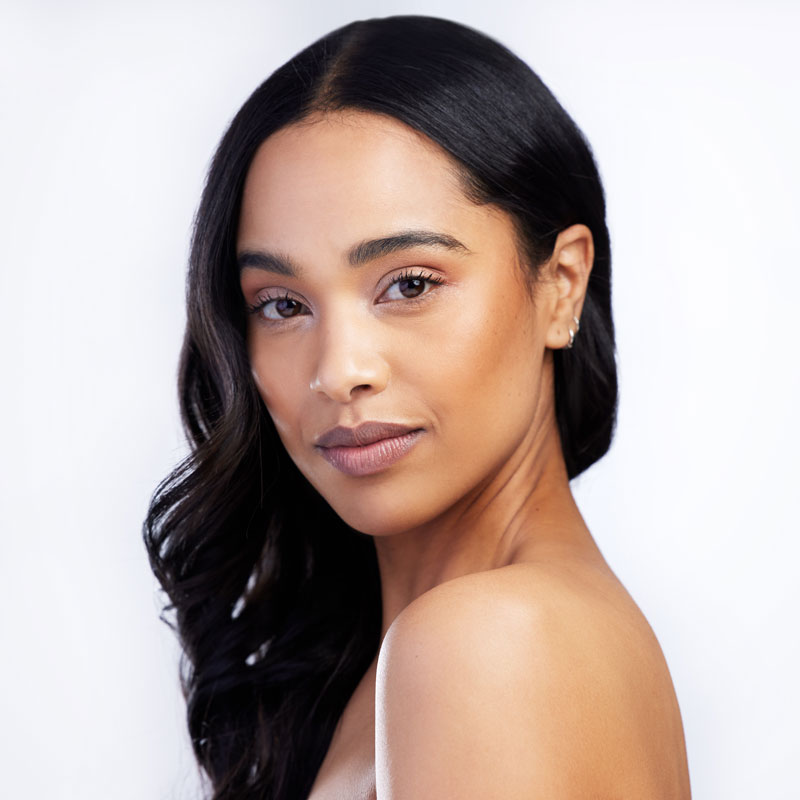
(276,601)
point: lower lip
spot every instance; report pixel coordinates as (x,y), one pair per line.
(370,458)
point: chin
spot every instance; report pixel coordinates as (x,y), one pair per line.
(377,520)
(399,499)
(379,510)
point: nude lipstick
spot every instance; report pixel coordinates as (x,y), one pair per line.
(368,448)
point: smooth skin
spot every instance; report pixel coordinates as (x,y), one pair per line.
(513,663)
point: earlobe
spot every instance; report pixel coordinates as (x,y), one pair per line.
(571,265)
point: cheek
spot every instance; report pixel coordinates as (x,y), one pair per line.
(278,379)
(489,361)
(483,386)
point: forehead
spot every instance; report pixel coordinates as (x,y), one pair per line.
(337,178)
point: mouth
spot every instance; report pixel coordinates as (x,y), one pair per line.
(368,448)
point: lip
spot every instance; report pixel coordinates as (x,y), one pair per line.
(363,434)
(368,448)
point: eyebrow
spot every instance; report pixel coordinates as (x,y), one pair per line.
(361,253)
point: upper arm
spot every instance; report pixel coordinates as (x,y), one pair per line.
(483,695)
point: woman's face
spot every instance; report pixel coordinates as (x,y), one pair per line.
(378,293)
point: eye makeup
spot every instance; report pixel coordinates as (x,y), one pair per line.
(413,283)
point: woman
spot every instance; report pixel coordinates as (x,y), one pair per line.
(399,350)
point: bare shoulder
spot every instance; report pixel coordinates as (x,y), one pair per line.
(530,681)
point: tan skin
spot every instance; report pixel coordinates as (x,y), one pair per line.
(513,663)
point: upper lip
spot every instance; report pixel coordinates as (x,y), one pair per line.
(363,434)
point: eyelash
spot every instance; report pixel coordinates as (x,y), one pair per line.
(406,275)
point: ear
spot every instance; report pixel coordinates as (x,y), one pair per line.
(568,271)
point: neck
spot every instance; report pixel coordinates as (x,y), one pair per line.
(522,512)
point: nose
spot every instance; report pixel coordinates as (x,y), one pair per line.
(349,364)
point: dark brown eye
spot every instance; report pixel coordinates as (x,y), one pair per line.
(411,287)
(280,308)
(287,307)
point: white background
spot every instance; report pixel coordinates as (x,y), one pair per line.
(109,113)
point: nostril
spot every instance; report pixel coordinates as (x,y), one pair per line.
(345,371)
